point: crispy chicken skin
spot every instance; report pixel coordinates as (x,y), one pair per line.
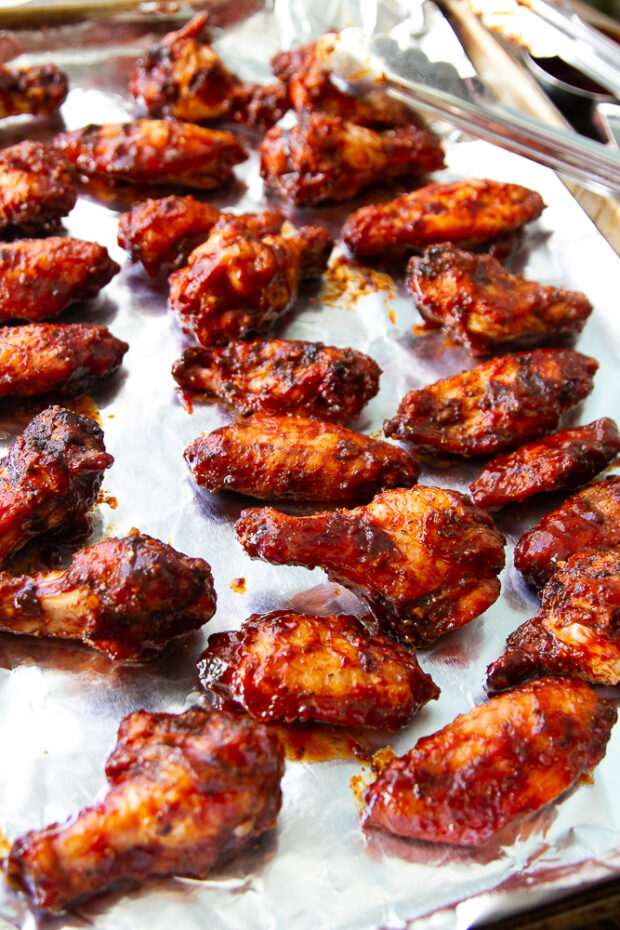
(297,667)
(425,560)
(576,631)
(298,458)
(39,89)
(152,152)
(501,761)
(240,281)
(482,306)
(182,77)
(63,358)
(471,212)
(37,187)
(128,598)
(497,405)
(566,459)
(40,277)
(50,476)
(186,792)
(281,376)
(589,519)
(326,158)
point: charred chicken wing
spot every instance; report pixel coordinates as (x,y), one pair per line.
(501,761)
(152,151)
(39,89)
(563,460)
(50,476)
(482,306)
(326,158)
(472,212)
(186,792)
(588,520)
(289,666)
(497,405)
(299,458)
(425,560)
(37,187)
(281,376)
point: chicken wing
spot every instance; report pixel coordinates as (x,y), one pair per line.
(50,476)
(563,460)
(280,376)
(39,89)
(482,306)
(299,458)
(326,158)
(237,284)
(589,519)
(152,151)
(37,187)
(289,666)
(40,277)
(497,405)
(186,792)
(468,213)
(425,560)
(499,762)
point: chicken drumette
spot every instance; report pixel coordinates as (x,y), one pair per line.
(482,306)
(289,666)
(496,405)
(326,158)
(39,89)
(425,560)
(37,187)
(186,791)
(299,458)
(501,761)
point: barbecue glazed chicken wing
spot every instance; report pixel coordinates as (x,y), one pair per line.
(482,306)
(182,77)
(37,187)
(282,376)
(497,405)
(40,277)
(468,213)
(152,151)
(297,667)
(589,519)
(298,458)
(39,89)
(566,459)
(128,598)
(50,476)
(326,158)
(238,283)
(425,560)
(501,761)
(186,792)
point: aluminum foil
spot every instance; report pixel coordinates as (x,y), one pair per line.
(60,705)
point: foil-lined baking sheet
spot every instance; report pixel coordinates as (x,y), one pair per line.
(60,706)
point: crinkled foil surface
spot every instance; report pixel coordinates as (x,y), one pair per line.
(60,706)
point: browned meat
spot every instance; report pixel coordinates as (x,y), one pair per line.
(299,458)
(576,631)
(425,560)
(152,151)
(497,405)
(39,89)
(289,666)
(238,283)
(50,476)
(63,358)
(563,460)
(501,761)
(588,520)
(468,213)
(482,306)
(40,277)
(186,792)
(326,158)
(37,187)
(280,376)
